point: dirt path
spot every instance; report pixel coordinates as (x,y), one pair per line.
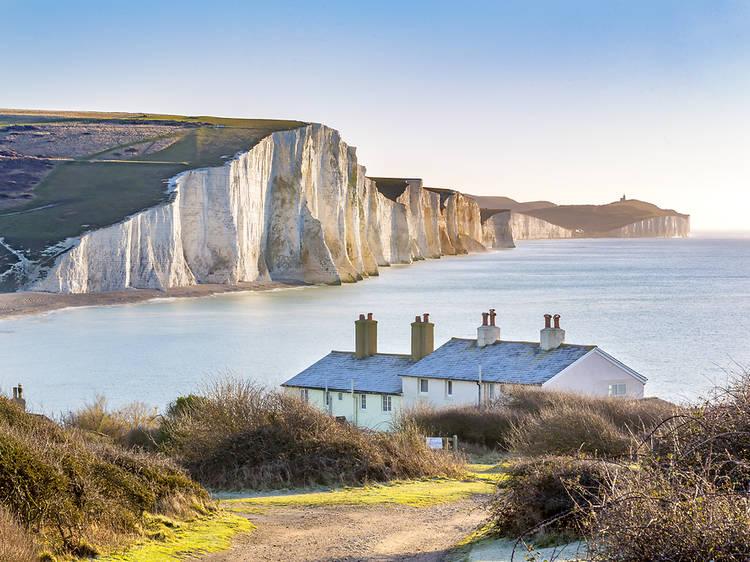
(349,533)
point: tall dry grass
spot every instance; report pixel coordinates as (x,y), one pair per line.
(238,435)
(16,544)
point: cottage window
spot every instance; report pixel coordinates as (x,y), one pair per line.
(424,385)
(618,389)
(491,392)
(363,401)
(304,394)
(341,395)
(449,388)
(387,405)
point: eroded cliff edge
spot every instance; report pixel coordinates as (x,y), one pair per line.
(297,206)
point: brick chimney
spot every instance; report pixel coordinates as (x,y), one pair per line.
(488,333)
(18,396)
(365,336)
(551,337)
(422,337)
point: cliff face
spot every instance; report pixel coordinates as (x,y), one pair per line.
(497,231)
(670,226)
(297,206)
(526,227)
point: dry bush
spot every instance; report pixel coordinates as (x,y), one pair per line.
(486,426)
(658,515)
(568,429)
(16,545)
(238,435)
(532,420)
(548,496)
(135,425)
(689,500)
(77,495)
(628,415)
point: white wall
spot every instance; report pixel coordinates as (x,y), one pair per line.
(592,375)
(372,417)
(464,392)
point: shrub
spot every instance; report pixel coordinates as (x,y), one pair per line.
(487,426)
(532,420)
(568,429)
(689,500)
(134,425)
(657,515)
(541,489)
(79,495)
(241,436)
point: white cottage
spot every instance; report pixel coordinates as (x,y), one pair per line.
(369,388)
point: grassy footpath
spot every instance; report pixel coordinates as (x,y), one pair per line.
(418,493)
(171,540)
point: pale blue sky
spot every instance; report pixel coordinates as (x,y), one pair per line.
(574,101)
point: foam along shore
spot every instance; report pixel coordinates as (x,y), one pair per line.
(31,303)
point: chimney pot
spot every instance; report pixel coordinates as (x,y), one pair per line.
(361,316)
(422,337)
(369,315)
(487,334)
(551,338)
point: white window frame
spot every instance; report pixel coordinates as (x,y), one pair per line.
(304,395)
(426,384)
(449,388)
(615,387)
(387,403)
(363,401)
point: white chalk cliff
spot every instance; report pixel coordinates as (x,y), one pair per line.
(666,226)
(296,206)
(497,231)
(527,227)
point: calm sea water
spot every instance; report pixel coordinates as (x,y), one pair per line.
(678,311)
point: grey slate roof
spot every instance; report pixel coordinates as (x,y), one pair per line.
(378,373)
(503,361)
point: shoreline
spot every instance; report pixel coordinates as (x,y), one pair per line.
(32,303)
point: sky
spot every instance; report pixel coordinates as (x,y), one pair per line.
(568,101)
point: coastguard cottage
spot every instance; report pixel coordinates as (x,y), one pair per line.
(368,389)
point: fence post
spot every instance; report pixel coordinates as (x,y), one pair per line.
(455,443)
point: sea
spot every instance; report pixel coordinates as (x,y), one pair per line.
(675,310)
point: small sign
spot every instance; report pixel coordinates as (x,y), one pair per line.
(434,442)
